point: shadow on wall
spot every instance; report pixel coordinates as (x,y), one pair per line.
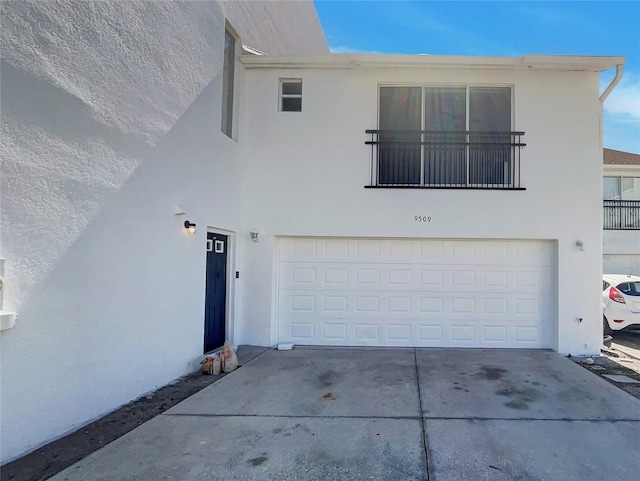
(61,167)
(120,311)
(39,103)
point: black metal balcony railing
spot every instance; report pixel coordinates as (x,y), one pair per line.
(437,159)
(622,214)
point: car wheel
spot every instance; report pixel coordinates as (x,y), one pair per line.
(606,330)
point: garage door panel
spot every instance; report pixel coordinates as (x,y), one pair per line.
(415,305)
(400,292)
(418,304)
(303,332)
(448,277)
(457,334)
(457,252)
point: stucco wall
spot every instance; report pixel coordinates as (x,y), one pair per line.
(307,171)
(110,117)
(625,242)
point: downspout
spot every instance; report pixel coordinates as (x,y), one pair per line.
(603,97)
(614,82)
(605,94)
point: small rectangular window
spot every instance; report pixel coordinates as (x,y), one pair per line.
(291,95)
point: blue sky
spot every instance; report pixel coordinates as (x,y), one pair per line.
(502,28)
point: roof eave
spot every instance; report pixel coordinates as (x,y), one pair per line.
(348,61)
(572,62)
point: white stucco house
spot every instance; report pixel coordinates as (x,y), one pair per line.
(621,204)
(159,197)
(116,115)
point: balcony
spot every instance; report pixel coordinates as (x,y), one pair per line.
(445,160)
(622,215)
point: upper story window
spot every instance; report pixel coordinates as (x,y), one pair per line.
(621,203)
(291,95)
(228,68)
(447,137)
(621,188)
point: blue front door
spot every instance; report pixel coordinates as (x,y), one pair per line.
(216,291)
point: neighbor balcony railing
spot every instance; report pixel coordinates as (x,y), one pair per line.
(622,214)
(438,159)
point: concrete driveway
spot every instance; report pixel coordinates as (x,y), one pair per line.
(387,414)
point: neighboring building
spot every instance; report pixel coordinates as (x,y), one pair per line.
(362,200)
(112,114)
(621,194)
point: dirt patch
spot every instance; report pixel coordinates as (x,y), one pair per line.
(520,397)
(258,461)
(52,458)
(490,373)
(327,397)
(614,361)
(327,379)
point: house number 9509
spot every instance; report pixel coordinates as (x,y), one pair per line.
(422,218)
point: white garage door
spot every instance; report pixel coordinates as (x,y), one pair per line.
(621,264)
(399,292)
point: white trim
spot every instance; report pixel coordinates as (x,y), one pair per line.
(350,61)
(252,51)
(619,169)
(282,96)
(275,283)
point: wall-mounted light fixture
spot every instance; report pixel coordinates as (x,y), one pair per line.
(580,245)
(190,226)
(254,235)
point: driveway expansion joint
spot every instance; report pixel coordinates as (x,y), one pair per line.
(460,418)
(392,418)
(290,416)
(422,423)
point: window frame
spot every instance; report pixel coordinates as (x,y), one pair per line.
(282,96)
(620,180)
(228,97)
(467,87)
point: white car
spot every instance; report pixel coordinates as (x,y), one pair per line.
(620,302)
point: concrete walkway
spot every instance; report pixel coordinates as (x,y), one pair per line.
(387,414)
